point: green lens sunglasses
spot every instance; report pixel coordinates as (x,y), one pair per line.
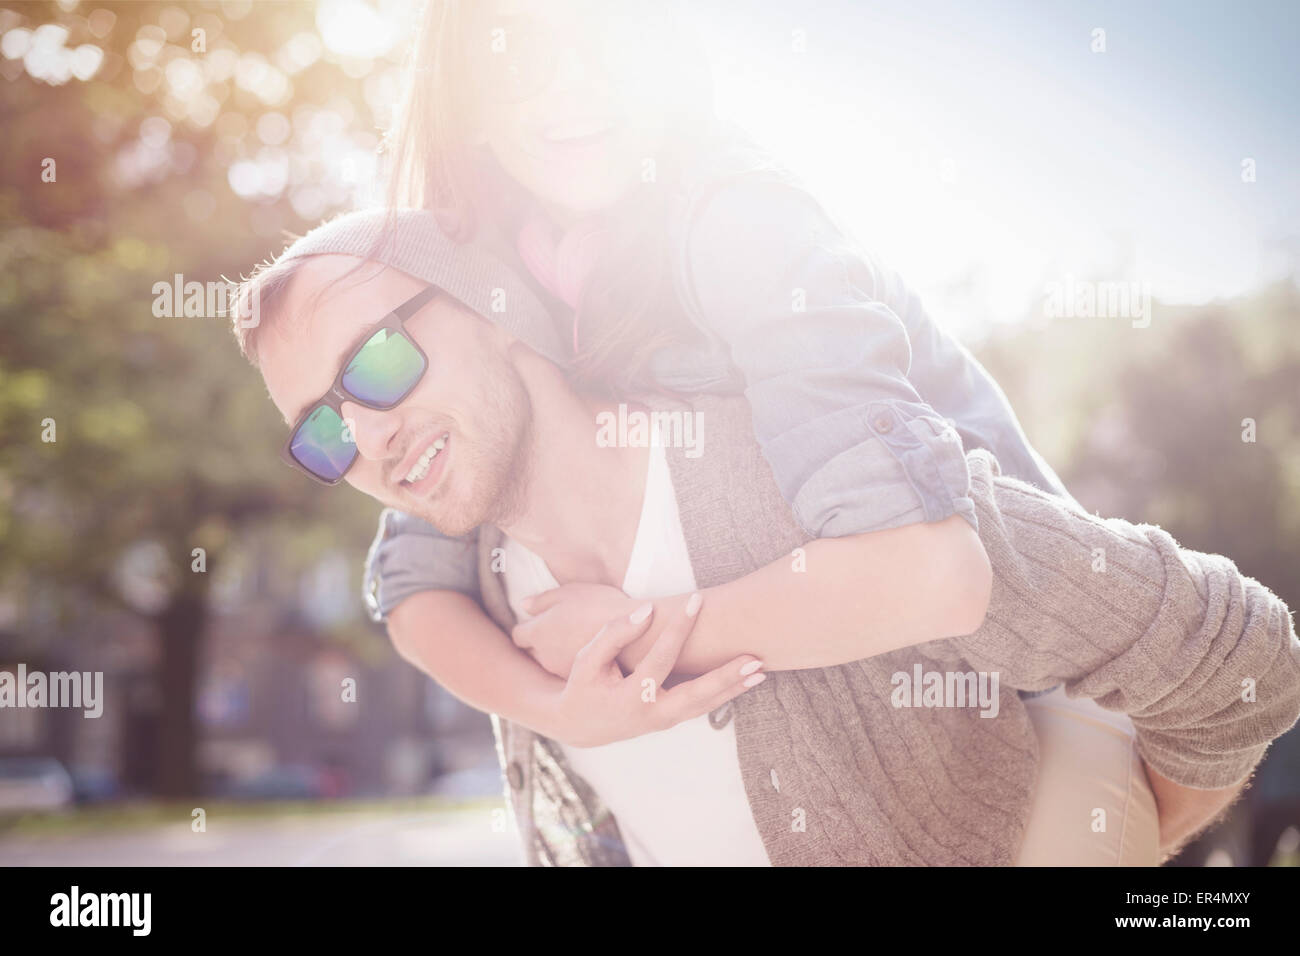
(379,373)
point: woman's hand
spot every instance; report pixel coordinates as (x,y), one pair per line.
(598,705)
(565,618)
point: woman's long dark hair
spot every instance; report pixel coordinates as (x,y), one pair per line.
(627,309)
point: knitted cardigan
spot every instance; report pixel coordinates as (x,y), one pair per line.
(1203,659)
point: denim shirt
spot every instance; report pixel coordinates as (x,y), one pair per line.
(862,406)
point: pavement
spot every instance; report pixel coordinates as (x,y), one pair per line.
(478,836)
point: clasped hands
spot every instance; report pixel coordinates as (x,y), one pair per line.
(578,631)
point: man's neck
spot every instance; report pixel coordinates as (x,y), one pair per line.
(582,503)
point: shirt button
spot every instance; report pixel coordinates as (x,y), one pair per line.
(776,784)
(884,425)
(515,774)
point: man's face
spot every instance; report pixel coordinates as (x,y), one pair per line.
(471,394)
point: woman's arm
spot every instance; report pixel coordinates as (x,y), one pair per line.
(408,555)
(449,637)
(826,361)
(854,597)
(842,600)
(425,586)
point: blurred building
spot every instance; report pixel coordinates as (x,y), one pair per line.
(284,708)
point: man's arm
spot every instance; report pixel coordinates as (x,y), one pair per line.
(1203,658)
(1184,811)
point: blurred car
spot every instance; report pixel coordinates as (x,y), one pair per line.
(33,783)
(95,786)
(286,782)
(483,780)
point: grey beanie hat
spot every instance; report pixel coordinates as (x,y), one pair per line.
(410,240)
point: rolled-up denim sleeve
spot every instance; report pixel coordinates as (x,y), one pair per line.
(960,388)
(852,445)
(410,555)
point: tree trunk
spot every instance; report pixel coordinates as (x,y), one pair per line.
(181,627)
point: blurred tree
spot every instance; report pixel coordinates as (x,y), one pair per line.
(175,157)
(1152,424)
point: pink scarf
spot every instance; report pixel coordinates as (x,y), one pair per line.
(561,265)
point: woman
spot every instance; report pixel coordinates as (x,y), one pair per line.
(568,140)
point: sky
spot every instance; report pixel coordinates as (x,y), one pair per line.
(989,150)
(985,150)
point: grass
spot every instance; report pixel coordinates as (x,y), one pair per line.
(140,814)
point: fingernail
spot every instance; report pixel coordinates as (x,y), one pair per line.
(693,604)
(641,613)
(754,680)
(750,668)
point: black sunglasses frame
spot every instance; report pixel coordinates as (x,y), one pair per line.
(337,394)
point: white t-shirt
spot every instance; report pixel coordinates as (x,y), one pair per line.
(677,794)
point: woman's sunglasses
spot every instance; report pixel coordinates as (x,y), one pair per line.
(379,373)
(519,61)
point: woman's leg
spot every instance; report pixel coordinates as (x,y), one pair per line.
(1092,805)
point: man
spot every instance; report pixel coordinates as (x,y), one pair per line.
(490,434)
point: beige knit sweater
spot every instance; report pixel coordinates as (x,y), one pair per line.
(1203,659)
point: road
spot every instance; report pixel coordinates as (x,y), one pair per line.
(437,838)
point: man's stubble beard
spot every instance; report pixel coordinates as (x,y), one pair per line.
(500,461)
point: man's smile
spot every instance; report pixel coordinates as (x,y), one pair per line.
(424,465)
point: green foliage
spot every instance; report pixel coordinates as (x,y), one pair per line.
(164,432)
(1148,424)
